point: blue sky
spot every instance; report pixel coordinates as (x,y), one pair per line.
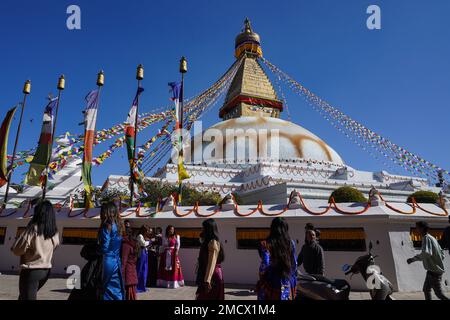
(395,80)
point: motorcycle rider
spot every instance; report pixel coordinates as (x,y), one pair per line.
(311,255)
(432,257)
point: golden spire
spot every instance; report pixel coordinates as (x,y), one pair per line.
(247,26)
(251,93)
(247,42)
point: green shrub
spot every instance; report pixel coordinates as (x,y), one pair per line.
(206,198)
(78,205)
(109,195)
(157,189)
(424,197)
(347,194)
(237,198)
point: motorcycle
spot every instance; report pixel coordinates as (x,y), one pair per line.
(318,287)
(379,286)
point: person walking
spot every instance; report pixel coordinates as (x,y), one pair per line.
(110,244)
(209,271)
(432,257)
(311,255)
(278,268)
(130,249)
(35,246)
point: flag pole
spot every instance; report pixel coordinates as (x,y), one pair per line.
(183,70)
(100,83)
(26,91)
(61,85)
(139,78)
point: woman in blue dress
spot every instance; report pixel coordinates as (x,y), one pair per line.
(142,264)
(110,243)
(278,268)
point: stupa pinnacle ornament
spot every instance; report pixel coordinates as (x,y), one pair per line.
(247,42)
(251,93)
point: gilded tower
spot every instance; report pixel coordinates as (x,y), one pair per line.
(251,93)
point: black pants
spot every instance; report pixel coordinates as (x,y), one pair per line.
(152,268)
(433,281)
(30,281)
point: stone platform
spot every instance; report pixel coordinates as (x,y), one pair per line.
(55,289)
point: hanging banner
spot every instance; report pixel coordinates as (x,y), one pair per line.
(4,134)
(36,175)
(90,119)
(130,127)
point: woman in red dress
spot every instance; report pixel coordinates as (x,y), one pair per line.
(129,260)
(169,273)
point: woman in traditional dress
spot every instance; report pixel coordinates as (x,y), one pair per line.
(277,272)
(130,251)
(209,272)
(142,265)
(153,252)
(169,274)
(110,243)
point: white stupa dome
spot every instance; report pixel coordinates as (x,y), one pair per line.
(243,136)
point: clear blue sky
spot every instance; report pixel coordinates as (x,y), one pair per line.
(395,80)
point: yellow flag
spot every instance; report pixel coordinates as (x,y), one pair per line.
(182,173)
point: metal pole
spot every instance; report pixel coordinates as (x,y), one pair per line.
(100,83)
(61,86)
(139,77)
(183,70)
(26,91)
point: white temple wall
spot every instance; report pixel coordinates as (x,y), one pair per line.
(334,260)
(390,238)
(411,277)
(8,261)
(270,195)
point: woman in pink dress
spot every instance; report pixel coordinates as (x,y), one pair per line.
(169,274)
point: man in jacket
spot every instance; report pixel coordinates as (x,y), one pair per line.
(311,255)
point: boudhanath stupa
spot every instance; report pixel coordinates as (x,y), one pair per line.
(304,162)
(277,168)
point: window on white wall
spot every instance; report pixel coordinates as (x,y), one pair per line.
(416,237)
(343,239)
(189,237)
(79,236)
(250,238)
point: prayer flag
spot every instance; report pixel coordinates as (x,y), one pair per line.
(4,134)
(90,119)
(36,173)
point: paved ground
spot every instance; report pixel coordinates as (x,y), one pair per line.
(55,289)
